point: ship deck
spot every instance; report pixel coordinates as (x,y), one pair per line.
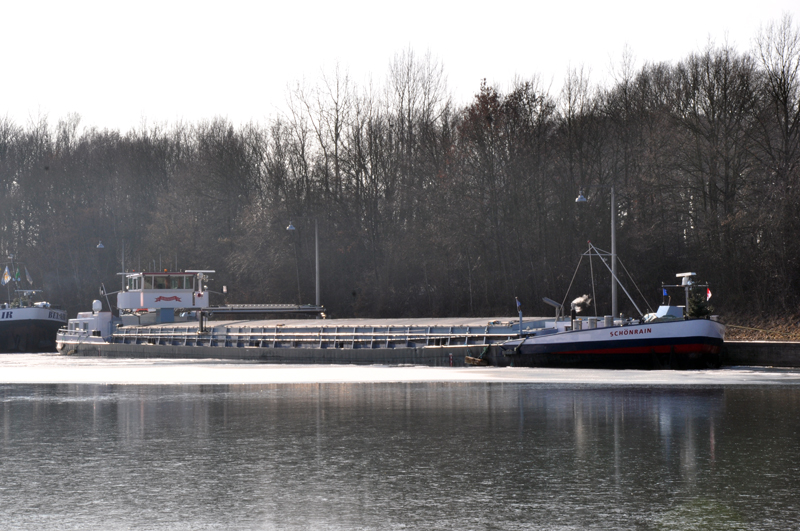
(331,333)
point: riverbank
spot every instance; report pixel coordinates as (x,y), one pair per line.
(762,329)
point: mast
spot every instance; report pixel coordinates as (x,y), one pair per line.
(614,281)
(614,306)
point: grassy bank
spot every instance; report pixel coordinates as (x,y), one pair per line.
(762,329)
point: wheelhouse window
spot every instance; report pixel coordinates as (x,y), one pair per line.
(161,282)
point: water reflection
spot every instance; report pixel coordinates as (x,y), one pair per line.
(417,455)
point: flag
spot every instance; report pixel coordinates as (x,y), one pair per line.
(708,293)
(519,304)
(16,276)
(28,277)
(665,291)
(6,277)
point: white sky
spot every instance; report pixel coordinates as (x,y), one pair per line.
(121,64)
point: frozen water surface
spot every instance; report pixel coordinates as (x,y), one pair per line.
(92,443)
(55,368)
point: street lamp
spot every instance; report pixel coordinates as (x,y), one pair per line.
(316,252)
(582,199)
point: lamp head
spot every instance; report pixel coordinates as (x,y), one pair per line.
(290,227)
(580,198)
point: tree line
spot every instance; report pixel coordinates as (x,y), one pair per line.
(427,208)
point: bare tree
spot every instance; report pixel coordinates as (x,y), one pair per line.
(778,149)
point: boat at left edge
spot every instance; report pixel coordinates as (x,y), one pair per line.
(27,324)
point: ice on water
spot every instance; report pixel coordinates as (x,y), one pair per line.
(54,368)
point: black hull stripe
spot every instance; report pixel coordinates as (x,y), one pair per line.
(626,346)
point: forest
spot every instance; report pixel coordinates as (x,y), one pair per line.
(428,208)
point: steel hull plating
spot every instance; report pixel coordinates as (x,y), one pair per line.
(671,344)
(30,329)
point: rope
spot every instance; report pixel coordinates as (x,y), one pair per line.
(594,295)
(630,277)
(571,281)
(759,330)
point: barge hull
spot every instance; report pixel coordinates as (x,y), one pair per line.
(675,344)
(28,335)
(742,353)
(452,356)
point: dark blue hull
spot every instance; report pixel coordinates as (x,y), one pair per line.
(30,335)
(654,346)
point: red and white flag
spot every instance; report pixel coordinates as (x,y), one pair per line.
(708,293)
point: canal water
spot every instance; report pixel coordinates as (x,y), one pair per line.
(416,455)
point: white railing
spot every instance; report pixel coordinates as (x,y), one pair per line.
(317,337)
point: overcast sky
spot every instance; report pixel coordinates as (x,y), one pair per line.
(123,64)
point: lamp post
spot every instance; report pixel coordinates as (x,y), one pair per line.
(100,246)
(316,252)
(582,199)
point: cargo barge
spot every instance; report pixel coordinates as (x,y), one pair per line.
(167,314)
